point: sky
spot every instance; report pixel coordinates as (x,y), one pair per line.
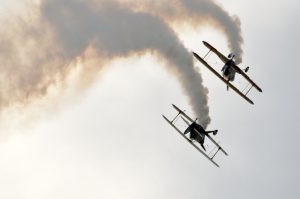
(105,138)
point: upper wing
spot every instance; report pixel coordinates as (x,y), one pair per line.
(220,55)
(198,149)
(220,148)
(250,80)
(220,77)
(182,113)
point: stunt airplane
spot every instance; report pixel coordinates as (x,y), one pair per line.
(197,134)
(229,70)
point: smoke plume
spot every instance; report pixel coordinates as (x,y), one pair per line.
(196,13)
(40,50)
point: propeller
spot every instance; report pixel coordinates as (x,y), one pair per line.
(231,56)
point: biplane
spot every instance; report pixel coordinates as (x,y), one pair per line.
(228,71)
(197,134)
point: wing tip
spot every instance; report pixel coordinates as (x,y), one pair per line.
(164,117)
(195,54)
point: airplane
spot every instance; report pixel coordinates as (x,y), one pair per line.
(197,134)
(228,71)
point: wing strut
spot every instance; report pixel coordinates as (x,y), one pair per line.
(216,152)
(249,89)
(207,54)
(219,147)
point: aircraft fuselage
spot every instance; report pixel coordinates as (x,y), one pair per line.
(229,70)
(197,133)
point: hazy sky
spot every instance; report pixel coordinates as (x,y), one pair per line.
(109,140)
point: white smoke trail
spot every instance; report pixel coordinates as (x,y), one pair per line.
(197,13)
(230,25)
(38,53)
